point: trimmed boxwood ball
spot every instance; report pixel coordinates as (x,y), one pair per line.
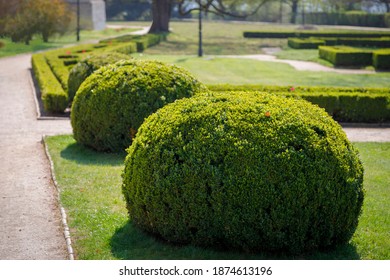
(248,171)
(112,103)
(87,66)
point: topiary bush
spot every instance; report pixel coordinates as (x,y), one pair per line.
(112,103)
(248,171)
(87,66)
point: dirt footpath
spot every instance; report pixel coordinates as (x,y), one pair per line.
(29,215)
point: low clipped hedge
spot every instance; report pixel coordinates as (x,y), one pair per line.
(381,59)
(142,42)
(124,48)
(87,66)
(314,43)
(346,56)
(371,105)
(112,103)
(322,34)
(54,98)
(62,61)
(311,43)
(248,171)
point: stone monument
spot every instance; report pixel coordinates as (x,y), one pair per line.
(92,13)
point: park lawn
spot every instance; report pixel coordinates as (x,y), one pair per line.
(90,186)
(37,44)
(222,70)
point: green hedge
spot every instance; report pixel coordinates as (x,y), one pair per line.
(58,63)
(369,105)
(248,171)
(310,43)
(322,34)
(87,66)
(381,59)
(124,48)
(365,42)
(354,18)
(113,101)
(346,56)
(142,41)
(59,68)
(54,98)
(313,43)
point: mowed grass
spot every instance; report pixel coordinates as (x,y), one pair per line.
(90,184)
(37,44)
(222,70)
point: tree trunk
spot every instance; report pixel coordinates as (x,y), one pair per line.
(161,12)
(387,6)
(294,11)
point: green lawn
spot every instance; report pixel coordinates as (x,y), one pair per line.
(37,44)
(218,70)
(90,184)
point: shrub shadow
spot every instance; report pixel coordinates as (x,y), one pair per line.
(129,242)
(86,156)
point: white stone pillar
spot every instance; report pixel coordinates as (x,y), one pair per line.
(92,13)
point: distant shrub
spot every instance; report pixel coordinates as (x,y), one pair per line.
(54,98)
(346,56)
(1,44)
(381,59)
(87,66)
(247,171)
(310,43)
(344,104)
(112,103)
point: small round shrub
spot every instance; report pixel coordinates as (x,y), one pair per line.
(112,103)
(249,171)
(87,66)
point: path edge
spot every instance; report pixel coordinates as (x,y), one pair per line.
(62,209)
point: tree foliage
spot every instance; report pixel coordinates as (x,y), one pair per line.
(30,17)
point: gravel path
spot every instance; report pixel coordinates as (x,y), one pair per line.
(302,65)
(29,212)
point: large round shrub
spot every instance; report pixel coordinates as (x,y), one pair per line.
(87,66)
(112,103)
(253,171)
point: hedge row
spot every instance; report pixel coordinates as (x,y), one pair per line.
(314,43)
(142,41)
(353,57)
(343,104)
(321,34)
(125,48)
(58,63)
(309,43)
(381,59)
(346,56)
(53,96)
(354,18)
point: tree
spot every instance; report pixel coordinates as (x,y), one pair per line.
(7,9)
(386,3)
(161,10)
(294,10)
(44,17)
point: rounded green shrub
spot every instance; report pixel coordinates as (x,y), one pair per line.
(87,66)
(112,103)
(250,171)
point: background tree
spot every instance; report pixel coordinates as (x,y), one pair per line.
(44,17)
(7,9)
(162,10)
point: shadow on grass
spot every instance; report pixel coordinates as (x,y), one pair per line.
(86,156)
(128,242)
